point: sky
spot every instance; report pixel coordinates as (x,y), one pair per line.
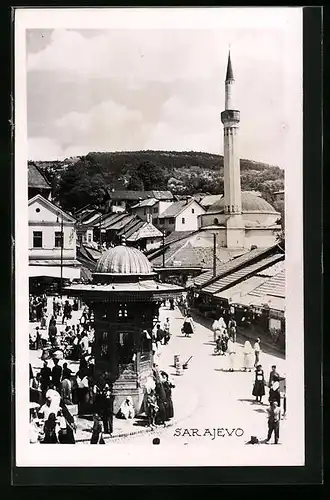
(163,89)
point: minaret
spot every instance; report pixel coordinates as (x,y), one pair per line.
(232,178)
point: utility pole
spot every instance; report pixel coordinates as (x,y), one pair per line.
(62,244)
(101,232)
(163,249)
(214,254)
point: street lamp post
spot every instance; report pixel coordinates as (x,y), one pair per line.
(62,243)
(163,249)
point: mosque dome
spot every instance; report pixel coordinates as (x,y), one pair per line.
(251,203)
(123,260)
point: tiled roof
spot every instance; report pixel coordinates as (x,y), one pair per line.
(232,278)
(121,223)
(235,263)
(36,179)
(174,209)
(208,200)
(140,195)
(146,203)
(176,236)
(129,228)
(274,286)
(147,230)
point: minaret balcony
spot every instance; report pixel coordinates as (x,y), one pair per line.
(230,115)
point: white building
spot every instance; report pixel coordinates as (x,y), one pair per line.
(181,216)
(149,210)
(46,255)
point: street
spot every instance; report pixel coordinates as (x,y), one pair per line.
(206,396)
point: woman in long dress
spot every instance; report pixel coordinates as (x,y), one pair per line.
(50,430)
(248,356)
(259,384)
(188,325)
(232,351)
(168,386)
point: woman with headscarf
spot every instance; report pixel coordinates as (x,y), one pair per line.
(50,430)
(126,409)
(259,384)
(106,409)
(168,386)
(232,351)
(67,426)
(83,387)
(97,431)
(248,354)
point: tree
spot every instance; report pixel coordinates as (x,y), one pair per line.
(152,176)
(81,184)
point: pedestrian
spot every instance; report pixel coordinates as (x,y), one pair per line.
(257,351)
(35,390)
(151,407)
(38,338)
(171,300)
(43,319)
(248,356)
(168,386)
(66,385)
(66,428)
(259,384)
(83,387)
(106,409)
(273,376)
(274,393)
(45,377)
(52,331)
(38,311)
(97,432)
(232,351)
(166,329)
(224,342)
(274,417)
(216,329)
(67,309)
(57,375)
(188,325)
(126,409)
(232,328)
(50,430)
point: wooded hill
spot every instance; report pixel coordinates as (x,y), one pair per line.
(79,181)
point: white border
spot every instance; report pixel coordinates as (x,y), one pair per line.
(121,455)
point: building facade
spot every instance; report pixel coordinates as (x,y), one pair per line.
(180,216)
(47,256)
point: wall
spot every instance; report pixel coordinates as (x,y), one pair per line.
(42,218)
(262,238)
(153,243)
(163,205)
(263,219)
(191,222)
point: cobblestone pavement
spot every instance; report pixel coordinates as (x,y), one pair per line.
(206,396)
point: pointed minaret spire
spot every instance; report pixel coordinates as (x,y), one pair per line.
(229,74)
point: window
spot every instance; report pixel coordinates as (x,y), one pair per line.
(183,220)
(37,210)
(89,237)
(161,221)
(37,239)
(155,210)
(58,239)
(171,220)
(216,222)
(192,210)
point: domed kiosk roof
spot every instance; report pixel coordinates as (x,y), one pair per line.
(250,203)
(123,260)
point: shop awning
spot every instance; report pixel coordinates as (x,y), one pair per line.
(54,272)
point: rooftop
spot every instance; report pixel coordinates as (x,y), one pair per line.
(36,179)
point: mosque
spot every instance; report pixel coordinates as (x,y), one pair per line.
(241,220)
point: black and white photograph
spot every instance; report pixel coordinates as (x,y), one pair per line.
(158,237)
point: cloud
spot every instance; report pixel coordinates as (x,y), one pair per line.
(164,89)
